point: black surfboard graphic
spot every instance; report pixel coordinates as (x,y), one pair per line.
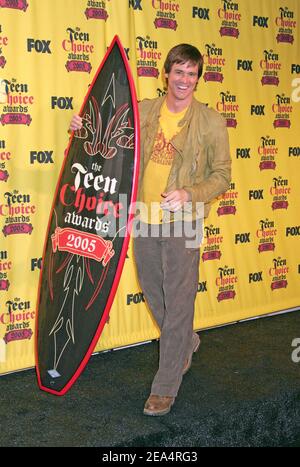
(89,226)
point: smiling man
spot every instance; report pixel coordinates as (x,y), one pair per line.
(185,164)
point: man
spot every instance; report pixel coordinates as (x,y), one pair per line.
(185,164)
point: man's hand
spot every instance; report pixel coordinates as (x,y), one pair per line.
(76,123)
(174,200)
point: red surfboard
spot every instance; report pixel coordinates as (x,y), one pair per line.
(89,226)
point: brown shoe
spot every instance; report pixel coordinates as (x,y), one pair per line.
(158,405)
(196,345)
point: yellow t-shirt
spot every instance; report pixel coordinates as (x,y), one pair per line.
(158,168)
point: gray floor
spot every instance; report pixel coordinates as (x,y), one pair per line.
(243,390)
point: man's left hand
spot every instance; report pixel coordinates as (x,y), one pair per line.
(174,200)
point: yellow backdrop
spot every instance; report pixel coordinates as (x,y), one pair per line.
(49,52)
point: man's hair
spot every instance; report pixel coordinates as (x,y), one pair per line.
(183,53)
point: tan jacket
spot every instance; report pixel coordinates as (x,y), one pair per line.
(202,164)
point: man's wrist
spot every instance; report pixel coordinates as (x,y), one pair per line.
(188,195)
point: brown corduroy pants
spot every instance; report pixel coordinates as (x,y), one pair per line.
(169,273)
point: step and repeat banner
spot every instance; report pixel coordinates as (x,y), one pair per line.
(49,53)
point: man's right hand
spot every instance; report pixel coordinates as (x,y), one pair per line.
(76,123)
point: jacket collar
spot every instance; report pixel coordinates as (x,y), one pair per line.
(180,139)
(158,105)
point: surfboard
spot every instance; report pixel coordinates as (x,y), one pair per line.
(89,226)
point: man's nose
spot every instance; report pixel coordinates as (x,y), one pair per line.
(184,77)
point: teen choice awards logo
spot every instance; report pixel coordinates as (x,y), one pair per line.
(227,201)
(5,156)
(270,66)
(214,62)
(17,209)
(226,282)
(280,191)
(79,49)
(96,10)
(148,56)
(228,107)
(267,150)
(3,43)
(161,92)
(266,234)
(166,14)
(16,100)
(14,4)
(230,19)
(18,319)
(286,25)
(279,273)
(212,243)
(282,110)
(5,268)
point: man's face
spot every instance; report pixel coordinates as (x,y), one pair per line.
(182,81)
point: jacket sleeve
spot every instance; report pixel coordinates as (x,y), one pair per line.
(219,163)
